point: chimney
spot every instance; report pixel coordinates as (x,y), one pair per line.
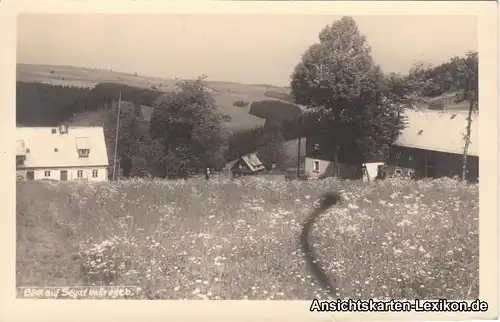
(63,128)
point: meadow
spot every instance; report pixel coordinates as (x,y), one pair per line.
(222,239)
(224,93)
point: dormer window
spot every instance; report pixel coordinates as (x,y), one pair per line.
(316,147)
(83,147)
(83,153)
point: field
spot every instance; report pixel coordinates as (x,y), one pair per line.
(240,239)
(224,93)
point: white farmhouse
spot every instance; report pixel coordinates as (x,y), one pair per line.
(61,153)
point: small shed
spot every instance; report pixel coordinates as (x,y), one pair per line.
(246,165)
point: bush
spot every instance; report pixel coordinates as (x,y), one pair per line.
(241,103)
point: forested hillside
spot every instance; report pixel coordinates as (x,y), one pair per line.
(39,104)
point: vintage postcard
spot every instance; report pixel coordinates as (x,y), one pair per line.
(279,160)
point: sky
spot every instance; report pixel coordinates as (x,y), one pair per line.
(246,48)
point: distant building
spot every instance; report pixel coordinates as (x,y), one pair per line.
(432,145)
(320,160)
(61,153)
(246,165)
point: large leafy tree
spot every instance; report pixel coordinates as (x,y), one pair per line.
(187,131)
(339,80)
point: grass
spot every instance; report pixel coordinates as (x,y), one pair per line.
(239,239)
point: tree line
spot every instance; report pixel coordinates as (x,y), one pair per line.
(39,104)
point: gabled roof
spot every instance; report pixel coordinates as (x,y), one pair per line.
(61,150)
(253,162)
(439,131)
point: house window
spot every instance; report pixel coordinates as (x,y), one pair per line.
(83,153)
(410,158)
(79,174)
(27,150)
(54,131)
(94,173)
(56,150)
(398,155)
(316,166)
(46,173)
(316,147)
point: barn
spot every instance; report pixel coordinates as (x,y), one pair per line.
(432,145)
(61,153)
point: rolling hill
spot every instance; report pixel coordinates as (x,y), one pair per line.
(224,93)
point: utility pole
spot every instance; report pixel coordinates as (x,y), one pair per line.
(117,131)
(298,150)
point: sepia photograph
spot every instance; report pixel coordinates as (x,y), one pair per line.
(193,188)
(177,156)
